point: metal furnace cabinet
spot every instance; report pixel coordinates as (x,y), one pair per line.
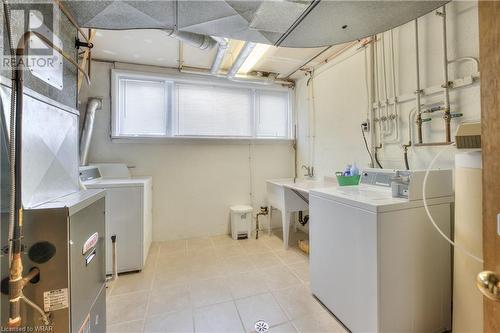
(65,240)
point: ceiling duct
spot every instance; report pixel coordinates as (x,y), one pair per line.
(223,44)
(284,23)
(202,42)
(240,60)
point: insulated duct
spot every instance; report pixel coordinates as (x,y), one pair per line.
(203,42)
(93,105)
(219,56)
(291,23)
(240,60)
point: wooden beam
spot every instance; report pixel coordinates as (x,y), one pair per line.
(489,50)
(85,58)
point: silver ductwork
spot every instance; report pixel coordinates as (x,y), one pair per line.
(203,42)
(223,44)
(291,23)
(242,56)
(93,105)
(254,79)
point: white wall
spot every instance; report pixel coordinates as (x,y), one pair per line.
(341,102)
(194,183)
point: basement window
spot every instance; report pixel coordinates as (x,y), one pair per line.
(143,106)
(173,106)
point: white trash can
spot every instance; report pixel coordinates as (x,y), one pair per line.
(241,221)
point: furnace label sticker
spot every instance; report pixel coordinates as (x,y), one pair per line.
(55,299)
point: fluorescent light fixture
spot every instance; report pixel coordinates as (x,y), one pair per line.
(257,53)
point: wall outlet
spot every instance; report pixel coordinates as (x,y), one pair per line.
(365,126)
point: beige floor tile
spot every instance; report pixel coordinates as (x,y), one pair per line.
(171,278)
(177,322)
(172,263)
(173,246)
(291,256)
(246,284)
(150,265)
(259,307)
(168,299)
(218,318)
(127,327)
(154,249)
(265,260)
(279,277)
(203,271)
(197,244)
(252,246)
(274,243)
(209,292)
(207,255)
(132,282)
(126,307)
(297,301)
(222,240)
(227,251)
(239,264)
(318,322)
(301,270)
(283,328)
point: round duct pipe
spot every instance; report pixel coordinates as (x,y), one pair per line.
(88,128)
(223,44)
(203,42)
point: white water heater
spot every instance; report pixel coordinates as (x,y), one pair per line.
(467,300)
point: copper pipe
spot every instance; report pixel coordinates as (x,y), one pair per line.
(419,128)
(446,84)
(32,274)
(432,144)
(71,19)
(447,121)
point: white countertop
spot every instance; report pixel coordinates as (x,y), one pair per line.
(303,185)
(117,182)
(371,198)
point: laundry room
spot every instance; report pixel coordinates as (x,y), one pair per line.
(250,166)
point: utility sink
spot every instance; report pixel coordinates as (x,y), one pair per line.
(289,195)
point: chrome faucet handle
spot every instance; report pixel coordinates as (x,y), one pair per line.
(401,179)
(309,170)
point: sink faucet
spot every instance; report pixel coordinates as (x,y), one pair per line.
(309,170)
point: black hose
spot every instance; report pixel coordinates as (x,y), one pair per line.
(376,159)
(407,165)
(366,146)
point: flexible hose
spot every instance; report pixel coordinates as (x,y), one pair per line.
(366,145)
(12,129)
(45,317)
(407,165)
(376,159)
(424,194)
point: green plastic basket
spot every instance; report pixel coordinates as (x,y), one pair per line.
(347,180)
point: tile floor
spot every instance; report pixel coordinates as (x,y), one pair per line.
(217,284)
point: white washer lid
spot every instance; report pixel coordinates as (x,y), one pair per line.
(241,209)
(470,159)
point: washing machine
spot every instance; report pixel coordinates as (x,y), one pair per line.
(128,213)
(376,261)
